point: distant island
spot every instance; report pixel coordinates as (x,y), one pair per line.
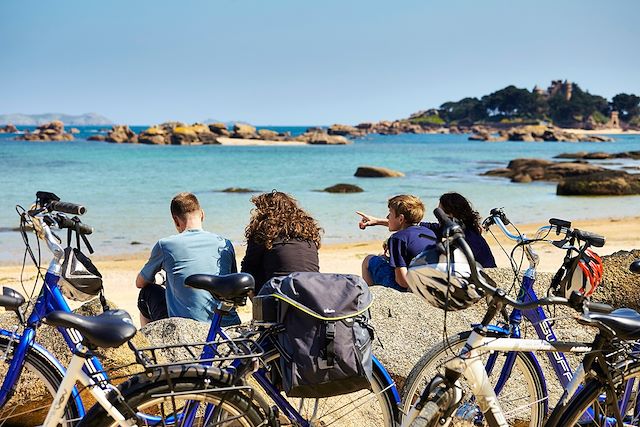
(88,119)
(562,105)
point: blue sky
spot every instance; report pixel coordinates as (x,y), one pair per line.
(302,62)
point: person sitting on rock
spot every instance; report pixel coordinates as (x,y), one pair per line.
(192,251)
(456,206)
(410,238)
(281,238)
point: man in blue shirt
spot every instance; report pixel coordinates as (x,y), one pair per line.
(193,251)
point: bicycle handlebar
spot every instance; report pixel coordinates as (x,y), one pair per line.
(73,224)
(66,207)
(454,232)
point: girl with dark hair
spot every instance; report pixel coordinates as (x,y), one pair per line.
(282,238)
(456,206)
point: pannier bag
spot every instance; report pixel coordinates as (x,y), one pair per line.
(326,342)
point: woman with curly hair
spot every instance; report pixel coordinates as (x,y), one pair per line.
(282,238)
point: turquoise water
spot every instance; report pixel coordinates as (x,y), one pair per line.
(127,188)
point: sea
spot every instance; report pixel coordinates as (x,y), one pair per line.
(127,188)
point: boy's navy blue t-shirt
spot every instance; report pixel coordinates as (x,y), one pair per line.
(477,243)
(405,244)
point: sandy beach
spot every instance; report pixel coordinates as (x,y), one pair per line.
(119,272)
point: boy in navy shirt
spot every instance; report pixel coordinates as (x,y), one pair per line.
(410,238)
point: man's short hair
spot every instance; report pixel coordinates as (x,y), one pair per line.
(183,204)
(410,206)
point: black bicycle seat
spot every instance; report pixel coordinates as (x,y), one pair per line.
(625,322)
(635,266)
(109,329)
(11,299)
(229,287)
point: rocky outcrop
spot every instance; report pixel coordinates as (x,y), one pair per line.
(605,183)
(376,172)
(317,137)
(219,129)
(74,131)
(533,133)
(244,131)
(343,188)
(635,155)
(120,134)
(238,190)
(9,128)
(97,138)
(527,170)
(156,135)
(52,131)
(574,178)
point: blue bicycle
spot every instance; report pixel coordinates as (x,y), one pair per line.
(163,397)
(517,376)
(377,406)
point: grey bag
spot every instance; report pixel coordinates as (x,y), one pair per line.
(326,343)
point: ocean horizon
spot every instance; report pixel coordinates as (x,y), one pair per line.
(127,187)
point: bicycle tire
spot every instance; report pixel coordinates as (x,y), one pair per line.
(526,381)
(346,409)
(40,372)
(147,394)
(587,405)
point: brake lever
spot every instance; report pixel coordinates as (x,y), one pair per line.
(560,243)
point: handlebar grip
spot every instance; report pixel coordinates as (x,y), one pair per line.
(68,208)
(586,236)
(443,218)
(599,307)
(64,222)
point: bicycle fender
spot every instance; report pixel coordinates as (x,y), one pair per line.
(44,353)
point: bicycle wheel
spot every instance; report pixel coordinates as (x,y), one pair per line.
(166,400)
(34,392)
(522,395)
(590,406)
(375,407)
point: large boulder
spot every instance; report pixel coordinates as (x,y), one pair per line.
(154,135)
(268,134)
(376,172)
(343,188)
(243,131)
(120,134)
(9,128)
(619,285)
(219,129)
(527,170)
(603,183)
(320,137)
(345,130)
(52,131)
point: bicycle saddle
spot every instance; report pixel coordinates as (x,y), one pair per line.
(635,266)
(229,287)
(625,322)
(11,299)
(109,329)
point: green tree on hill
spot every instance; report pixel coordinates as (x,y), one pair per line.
(628,105)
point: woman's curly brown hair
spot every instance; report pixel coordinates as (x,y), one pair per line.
(278,216)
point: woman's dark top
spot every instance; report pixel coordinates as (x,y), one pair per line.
(284,257)
(477,243)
